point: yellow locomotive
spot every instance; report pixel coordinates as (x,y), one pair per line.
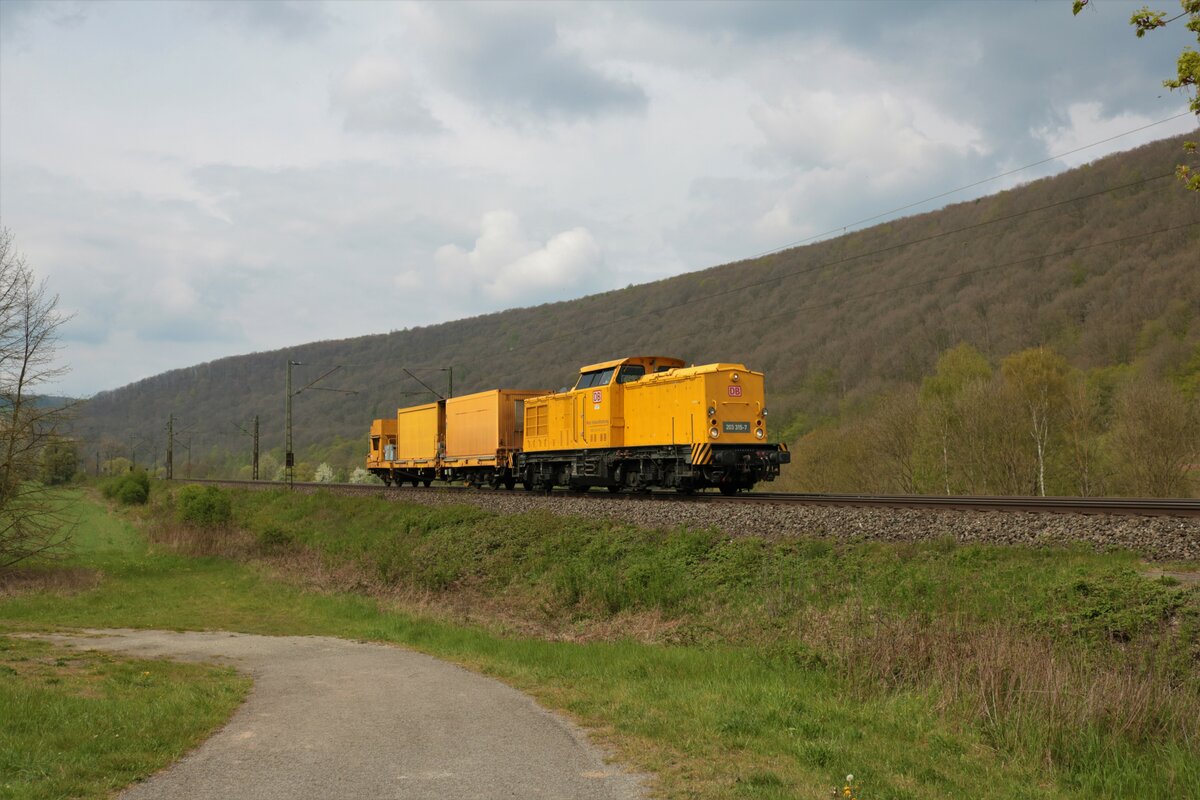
(634,423)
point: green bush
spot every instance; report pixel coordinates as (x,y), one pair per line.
(132,488)
(273,538)
(203,506)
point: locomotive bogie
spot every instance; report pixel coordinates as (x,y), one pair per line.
(730,468)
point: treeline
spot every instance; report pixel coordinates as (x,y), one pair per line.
(1031,424)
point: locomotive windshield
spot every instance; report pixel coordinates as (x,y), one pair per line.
(600,377)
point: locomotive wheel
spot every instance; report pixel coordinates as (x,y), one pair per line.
(510,483)
(414,482)
(428,481)
(729,491)
(614,489)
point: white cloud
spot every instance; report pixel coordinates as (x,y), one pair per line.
(377,94)
(236,177)
(1086,123)
(506,266)
(514,61)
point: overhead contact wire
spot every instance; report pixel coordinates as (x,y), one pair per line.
(914,204)
(845,260)
(890,248)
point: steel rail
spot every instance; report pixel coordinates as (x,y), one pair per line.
(1127,506)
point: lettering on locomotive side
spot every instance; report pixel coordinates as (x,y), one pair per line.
(737,427)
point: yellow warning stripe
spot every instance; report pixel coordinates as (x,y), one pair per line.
(701,453)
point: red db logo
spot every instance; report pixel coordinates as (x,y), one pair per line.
(596,396)
(735,391)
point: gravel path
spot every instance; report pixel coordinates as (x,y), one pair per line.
(329,718)
(1155,538)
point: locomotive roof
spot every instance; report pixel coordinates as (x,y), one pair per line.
(616,362)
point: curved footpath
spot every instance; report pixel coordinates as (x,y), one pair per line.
(329,718)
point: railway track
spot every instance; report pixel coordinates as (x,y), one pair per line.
(1125,506)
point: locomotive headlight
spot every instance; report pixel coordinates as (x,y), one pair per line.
(764,412)
(759,433)
(712,411)
(734,378)
(713,432)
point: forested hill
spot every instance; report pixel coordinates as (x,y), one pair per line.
(1081,262)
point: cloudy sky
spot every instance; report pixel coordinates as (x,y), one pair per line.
(204,179)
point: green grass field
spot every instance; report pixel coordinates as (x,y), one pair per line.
(741,668)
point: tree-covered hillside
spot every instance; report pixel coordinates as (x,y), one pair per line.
(1099,264)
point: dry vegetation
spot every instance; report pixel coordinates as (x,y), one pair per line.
(1065,661)
(1034,426)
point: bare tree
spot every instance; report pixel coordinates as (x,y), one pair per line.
(31,518)
(1155,438)
(1039,376)
(940,393)
(1082,429)
(896,430)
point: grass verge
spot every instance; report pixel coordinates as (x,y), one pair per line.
(730,668)
(85,724)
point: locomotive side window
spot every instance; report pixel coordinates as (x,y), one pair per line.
(630,373)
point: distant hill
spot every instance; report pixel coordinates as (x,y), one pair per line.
(830,323)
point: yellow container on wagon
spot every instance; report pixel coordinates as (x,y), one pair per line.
(485,428)
(420,431)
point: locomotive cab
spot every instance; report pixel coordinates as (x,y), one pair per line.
(625,370)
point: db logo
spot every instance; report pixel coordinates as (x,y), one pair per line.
(735,391)
(597,395)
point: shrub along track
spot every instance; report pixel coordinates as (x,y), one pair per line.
(1159,530)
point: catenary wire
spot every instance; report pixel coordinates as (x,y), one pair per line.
(823,265)
(846,228)
(1056,254)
